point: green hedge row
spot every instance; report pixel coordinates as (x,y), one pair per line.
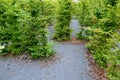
(92,12)
(63,18)
(23,28)
(100,20)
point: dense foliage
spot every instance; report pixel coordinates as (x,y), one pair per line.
(49,11)
(104,47)
(100,20)
(63,18)
(23,28)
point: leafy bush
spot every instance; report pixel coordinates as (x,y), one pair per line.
(104,47)
(84,33)
(111,2)
(49,11)
(38,33)
(62,27)
(85,13)
(23,28)
(102,19)
(99,14)
(11,26)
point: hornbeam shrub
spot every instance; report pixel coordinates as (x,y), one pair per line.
(38,32)
(105,50)
(49,11)
(23,28)
(11,29)
(63,18)
(101,31)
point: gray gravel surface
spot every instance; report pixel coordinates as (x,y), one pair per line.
(75,27)
(70,64)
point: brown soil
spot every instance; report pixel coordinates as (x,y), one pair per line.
(27,58)
(74,41)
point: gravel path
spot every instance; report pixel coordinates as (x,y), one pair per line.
(70,64)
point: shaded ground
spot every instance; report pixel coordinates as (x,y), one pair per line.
(69,64)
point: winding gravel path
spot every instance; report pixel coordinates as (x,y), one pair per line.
(70,64)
